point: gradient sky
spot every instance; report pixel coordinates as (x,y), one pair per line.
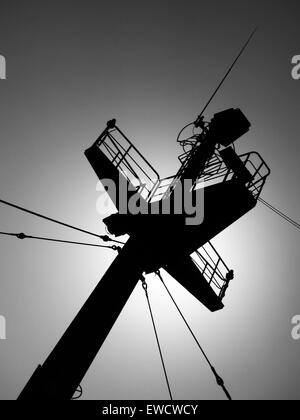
(71,66)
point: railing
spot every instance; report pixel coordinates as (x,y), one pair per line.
(212,267)
(129,161)
(259,171)
(141,174)
(162,189)
(216,170)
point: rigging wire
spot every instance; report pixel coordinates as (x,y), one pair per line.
(218,378)
(221,82)
(280,213)
(24,236)
(228,71)
(145,287)
(104,238)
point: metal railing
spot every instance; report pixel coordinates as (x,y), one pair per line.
(212,267)
(216,170)
(129,161)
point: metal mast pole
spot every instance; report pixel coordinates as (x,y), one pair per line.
(64,369)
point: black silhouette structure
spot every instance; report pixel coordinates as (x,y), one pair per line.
(158,240)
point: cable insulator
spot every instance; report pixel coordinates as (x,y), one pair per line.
(21,236)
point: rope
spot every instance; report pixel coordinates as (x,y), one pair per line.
(145,287)
(23,236)
(218,378)
(104,238)
(280,213)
